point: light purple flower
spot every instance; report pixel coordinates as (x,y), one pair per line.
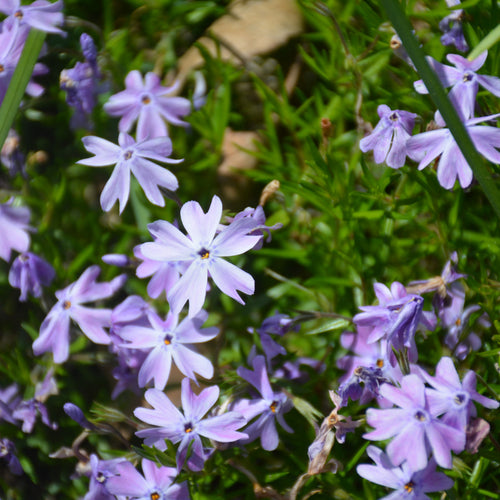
(81,84)
(40,14)
(8,453)
(202,251)
(189,426)
(28,273)
(156,484)
(269,407)
(427,146)
(164,275)
(395,319)
(132,157)
(147,102)
(9,400)
(414,426)
(170,341)
(409,485)
(454,399)
(388,139)
(27,411)
(54,331)
(12,40)
(451,26)
(101,471)
(14,227)
(464,82)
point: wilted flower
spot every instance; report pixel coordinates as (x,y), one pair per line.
(8,453)
(147,102)
(132,157)
(188,428)
(388,139)
(201,252)
(11,155)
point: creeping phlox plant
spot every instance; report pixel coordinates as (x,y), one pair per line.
(231,350)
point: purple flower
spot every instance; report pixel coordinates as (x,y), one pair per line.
(395,319)
(202,251)
(147,102)
(12,40)
(259,218)
(75,413)
(40,14)
(427,146)
(9,400)
(454,399)
(54,331)
(28,273)
(464,82)
(11,155)
(101,472)
(14,227)
(27,410)
(388,139)
(132,157)
(164,274)
(451,26)
(8,453)
(189,427)
(170,341)
(157,482)
(270,406)
(408,484)
(414,427)
(81,84)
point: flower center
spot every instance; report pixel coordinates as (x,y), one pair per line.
(188,427)
(19,14)
(458,322)
(409,487)
(101,478)
(128,154)
(273,406)
(154,496)
(467,77)
(3,450)
(145,99)
(204,253)
(2,68)
(167,340)
(393,116)
(460,398)
(420,416)
(380,363)
(66,304)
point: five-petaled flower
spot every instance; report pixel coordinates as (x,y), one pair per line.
(147,102)
(202,252)
(132,157)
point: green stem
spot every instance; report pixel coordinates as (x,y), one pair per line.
(405,31)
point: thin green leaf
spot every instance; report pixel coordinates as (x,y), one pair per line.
(20,79)
(486,43)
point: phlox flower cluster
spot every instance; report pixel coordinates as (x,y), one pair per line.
(391,140)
